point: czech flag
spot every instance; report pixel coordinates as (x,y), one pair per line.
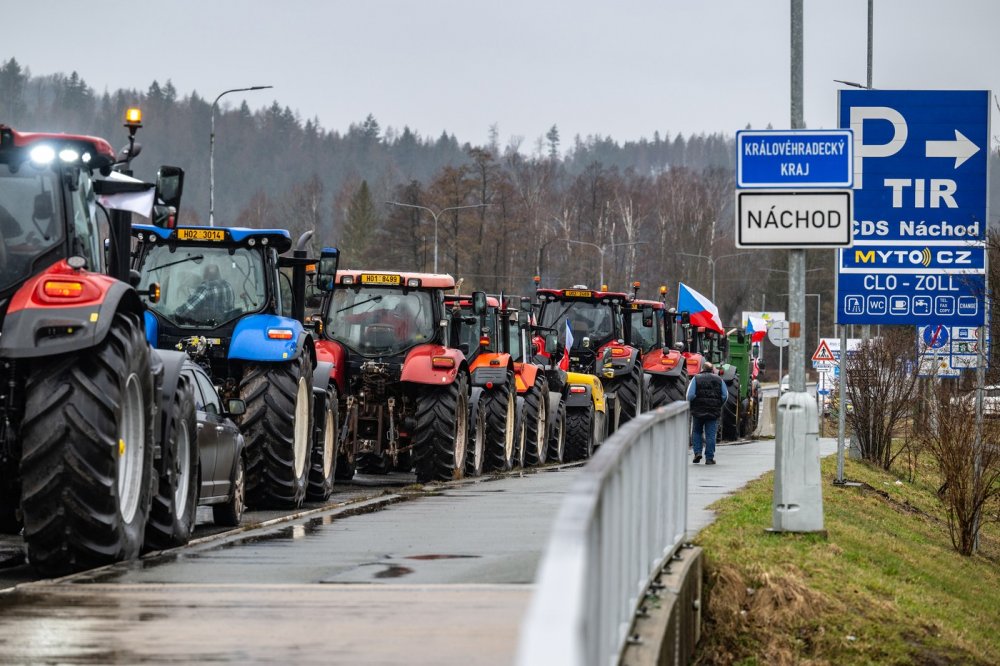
(703,311)
(564,361)
(756,328)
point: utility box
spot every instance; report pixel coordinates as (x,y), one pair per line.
(798,491)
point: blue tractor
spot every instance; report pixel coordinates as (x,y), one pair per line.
(229,299)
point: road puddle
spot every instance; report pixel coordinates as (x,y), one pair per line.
(441,557)
(394,571)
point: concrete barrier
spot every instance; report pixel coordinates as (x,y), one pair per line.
(768,417)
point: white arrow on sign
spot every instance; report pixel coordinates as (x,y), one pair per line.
(961,149)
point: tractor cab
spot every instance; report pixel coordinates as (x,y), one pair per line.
(590,324)
(478,333)
(212,281)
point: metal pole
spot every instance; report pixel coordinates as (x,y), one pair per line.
(871,23)
(211,172)
(842,410)
(712,261)
(796,258)
(435,216)
(978,441)
(601,250)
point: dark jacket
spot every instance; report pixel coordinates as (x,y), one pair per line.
(707,394)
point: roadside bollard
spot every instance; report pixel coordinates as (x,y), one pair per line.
(798,494)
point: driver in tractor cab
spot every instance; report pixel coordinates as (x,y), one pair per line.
(212,298)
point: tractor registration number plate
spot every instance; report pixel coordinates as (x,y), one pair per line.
(215,235)
(578,294)
(380,278)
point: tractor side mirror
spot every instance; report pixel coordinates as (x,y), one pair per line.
(170,185)
(479,303)
(760,364)
(326,274)
(551,343)
(236,407)
(755,351)
(585,343)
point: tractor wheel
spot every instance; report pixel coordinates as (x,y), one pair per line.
(520,434)
(323,457)
(629,391)
(278,430)
(441,433)
(557,435)
(231,513)
(731,412)
(536,412)
(580,428)
(172,515)
(667,389)
(475,458)
(404,462)
(500,406)
(87,453)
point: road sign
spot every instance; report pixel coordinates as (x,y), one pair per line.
(823,353)
(794,158)
(777,333)
(920,179)
(768,317)
(950,349)
(793,219)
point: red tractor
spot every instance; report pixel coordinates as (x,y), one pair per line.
(592,326)
(662,362)
(97,433)
(494,388)
(403,381)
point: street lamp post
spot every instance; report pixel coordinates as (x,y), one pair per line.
(211,151)
(711,263)
(435,216)
(601,249)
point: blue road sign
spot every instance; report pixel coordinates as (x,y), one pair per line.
(920,190)
(935,337)
(794,158)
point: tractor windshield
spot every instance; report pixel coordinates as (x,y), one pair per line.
(380,321)
(204,286)
(644,336)
(587,319)
(30,219)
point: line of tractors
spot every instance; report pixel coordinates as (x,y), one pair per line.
(326,371)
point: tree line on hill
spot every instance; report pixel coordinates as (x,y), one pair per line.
(657,210)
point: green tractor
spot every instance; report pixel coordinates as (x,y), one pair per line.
(740,364)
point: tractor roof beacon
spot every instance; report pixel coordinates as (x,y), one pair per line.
(72,347)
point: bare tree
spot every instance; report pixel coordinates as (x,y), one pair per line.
(881,384)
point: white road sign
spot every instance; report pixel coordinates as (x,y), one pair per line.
(793,218)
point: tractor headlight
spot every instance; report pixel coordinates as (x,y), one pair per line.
(42,155)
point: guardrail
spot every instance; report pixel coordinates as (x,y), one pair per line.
(622,519)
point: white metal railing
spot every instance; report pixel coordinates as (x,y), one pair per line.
(621,520)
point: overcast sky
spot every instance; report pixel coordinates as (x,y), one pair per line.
(623,68)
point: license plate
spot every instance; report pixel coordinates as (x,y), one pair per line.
(378,278)
(214,235)
(578,294)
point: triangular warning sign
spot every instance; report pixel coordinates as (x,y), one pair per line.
(823,352)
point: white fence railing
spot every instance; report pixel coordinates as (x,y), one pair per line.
(620,521)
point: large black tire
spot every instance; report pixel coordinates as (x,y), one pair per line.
(731,412)
(230,513)
(172,515)
(580,424)
(520,433)
(500,406)
(668,389)
(278,430)
(323,457)
(441,435)
(475,458)
(87,453)
(557,435)
(536,413)
(629,390)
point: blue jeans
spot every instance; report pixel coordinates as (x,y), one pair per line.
(711,426)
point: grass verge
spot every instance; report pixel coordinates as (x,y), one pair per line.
(884,587)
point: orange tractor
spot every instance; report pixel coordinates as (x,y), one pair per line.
(653,332)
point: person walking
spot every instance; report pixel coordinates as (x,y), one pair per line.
(707,393)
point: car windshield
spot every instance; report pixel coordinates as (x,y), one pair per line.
(645,336)
(380,321)
(204,286)
(586,319)
(30,214)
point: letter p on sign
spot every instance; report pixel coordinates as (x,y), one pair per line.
(859,114)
